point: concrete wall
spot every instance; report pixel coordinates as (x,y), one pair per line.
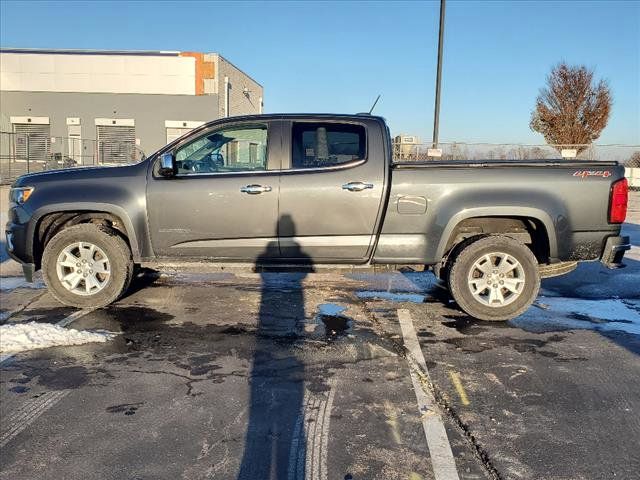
(149,111)
(69,72)
(239,102)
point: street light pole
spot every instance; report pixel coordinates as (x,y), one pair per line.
(436,114)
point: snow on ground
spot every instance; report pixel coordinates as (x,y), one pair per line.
(561,313)
(33,335)
(391,296)
(11,283)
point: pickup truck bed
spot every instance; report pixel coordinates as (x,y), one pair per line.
(568,213)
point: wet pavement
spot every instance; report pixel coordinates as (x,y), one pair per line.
(306,375)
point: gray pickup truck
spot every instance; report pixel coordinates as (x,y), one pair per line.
(318,189)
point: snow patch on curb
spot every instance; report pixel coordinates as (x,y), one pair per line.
(19,337)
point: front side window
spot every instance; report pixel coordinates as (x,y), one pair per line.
(233,149)
(318,145)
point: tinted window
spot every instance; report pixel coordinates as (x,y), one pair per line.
(236,149)
(317,145)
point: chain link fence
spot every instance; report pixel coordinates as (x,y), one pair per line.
(403,152)
(23,153)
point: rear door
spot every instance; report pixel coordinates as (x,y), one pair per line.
(223,202)
(331,189)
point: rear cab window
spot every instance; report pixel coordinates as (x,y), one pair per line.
(323,145)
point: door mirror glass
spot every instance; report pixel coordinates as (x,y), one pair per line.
(167,165)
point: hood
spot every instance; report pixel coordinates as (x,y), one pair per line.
(89,172)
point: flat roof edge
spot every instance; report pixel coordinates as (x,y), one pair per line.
(61,51)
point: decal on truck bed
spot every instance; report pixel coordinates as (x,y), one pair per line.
(592,173)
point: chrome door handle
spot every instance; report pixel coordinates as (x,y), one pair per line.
(356,186)
(255,189)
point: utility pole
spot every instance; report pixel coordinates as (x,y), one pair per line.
(436,114)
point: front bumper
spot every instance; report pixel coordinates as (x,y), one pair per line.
(16,236)
(613,252)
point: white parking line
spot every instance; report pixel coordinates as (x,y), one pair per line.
(442,461)
(74,316)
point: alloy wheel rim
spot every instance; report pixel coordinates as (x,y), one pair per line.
(496,279)
(83,268)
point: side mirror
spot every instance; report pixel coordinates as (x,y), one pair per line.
(167,165)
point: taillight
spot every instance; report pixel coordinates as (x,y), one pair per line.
(618,201)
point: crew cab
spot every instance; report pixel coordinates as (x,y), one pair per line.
(318,189)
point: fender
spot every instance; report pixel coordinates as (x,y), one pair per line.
(502,211)
(91,206)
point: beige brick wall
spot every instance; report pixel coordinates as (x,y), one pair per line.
(245,94)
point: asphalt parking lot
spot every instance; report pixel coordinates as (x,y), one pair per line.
(327,376)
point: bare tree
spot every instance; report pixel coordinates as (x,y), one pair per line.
(571,109)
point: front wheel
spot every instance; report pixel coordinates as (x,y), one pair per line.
(494,278)
(87,266)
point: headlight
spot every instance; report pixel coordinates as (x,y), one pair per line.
(19,195)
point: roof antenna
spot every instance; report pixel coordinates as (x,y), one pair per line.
(374,105)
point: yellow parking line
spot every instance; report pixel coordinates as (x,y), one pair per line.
(455,379)
(392,421)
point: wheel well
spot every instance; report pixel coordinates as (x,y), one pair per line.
(52,223)
(527,230)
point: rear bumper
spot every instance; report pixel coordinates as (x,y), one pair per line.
(613,252)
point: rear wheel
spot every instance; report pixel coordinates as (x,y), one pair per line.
(87,266)
(494,278)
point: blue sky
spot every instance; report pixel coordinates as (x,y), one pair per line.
(337,56)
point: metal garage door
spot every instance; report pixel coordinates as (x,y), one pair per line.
(32,141)
(116,144)
(174,133)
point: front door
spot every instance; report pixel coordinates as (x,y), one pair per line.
(223,201)
(331,190)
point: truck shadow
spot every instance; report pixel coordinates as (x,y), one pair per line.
(589,298)
(274,444)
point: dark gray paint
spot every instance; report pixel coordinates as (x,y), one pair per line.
(571,208)
(216,219)
(331,223)
(209,217)
(116,190)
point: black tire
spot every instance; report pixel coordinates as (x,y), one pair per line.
(462,265)
(442,270)
(116,250)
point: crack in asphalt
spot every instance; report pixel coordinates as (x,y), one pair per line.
(190,380)
(23,308)
(440,397)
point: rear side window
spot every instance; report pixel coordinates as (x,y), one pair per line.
(318,145)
